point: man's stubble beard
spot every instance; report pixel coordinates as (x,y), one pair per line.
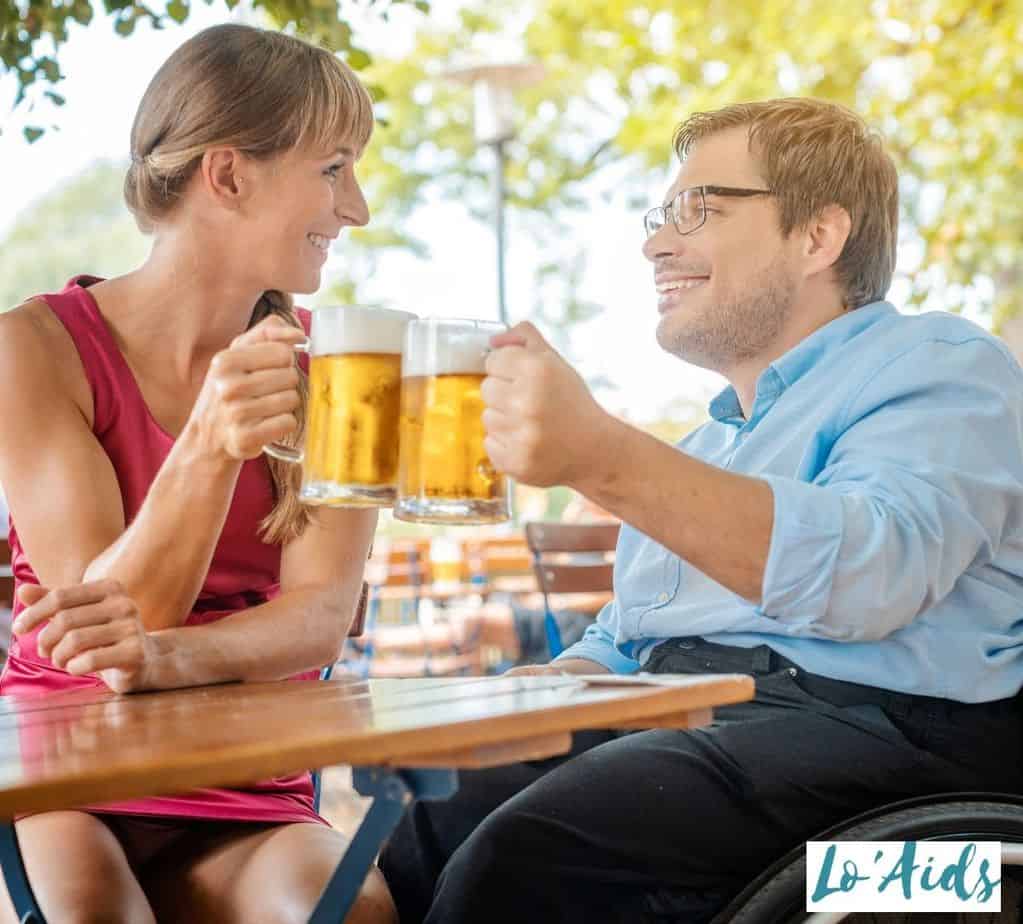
(737,329)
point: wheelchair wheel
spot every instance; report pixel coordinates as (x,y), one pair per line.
(778,896)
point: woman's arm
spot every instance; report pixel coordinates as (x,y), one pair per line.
(95,627)
(62,488)
(63,491)
(59,483)
(303,629)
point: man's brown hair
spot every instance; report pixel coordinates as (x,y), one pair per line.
(814,154)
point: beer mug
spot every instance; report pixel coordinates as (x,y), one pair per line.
(350,456)
(444,475)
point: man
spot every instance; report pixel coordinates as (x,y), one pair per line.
(847,528)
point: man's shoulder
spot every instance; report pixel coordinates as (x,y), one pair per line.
(949,339)
(911,330)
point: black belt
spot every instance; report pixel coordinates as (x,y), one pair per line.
(693,655)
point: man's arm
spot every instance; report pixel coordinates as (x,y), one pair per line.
(544,428)
(718,521)
(920,482)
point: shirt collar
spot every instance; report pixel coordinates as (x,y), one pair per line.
(793,365)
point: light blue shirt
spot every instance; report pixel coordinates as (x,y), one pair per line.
(893,445)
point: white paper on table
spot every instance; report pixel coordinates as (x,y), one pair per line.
(642,679)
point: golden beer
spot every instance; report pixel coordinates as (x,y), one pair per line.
(350,452)
(445,475)
(352,423)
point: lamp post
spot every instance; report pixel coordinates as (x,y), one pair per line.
(494,124)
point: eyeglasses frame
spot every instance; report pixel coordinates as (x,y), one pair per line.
(675,205)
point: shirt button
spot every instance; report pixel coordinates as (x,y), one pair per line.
(662,597)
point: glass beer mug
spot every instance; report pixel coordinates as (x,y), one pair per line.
(350,455)
(444,475)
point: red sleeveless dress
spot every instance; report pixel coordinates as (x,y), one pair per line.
(244,572)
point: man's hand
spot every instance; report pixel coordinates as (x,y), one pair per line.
(543,425)
(566,666)
(91,628)
(533,670)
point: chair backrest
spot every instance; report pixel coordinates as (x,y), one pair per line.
(570,558)
(492,557)
(400,565)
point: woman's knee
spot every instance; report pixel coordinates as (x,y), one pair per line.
(78,871)
(374,904)
(279,876)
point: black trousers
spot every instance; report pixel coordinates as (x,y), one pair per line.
(668,825)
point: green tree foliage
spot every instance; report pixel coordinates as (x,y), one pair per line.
(33,31)
(82,226)
(943,79)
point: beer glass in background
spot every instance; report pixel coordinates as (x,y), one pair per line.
(444,474)
(350,455)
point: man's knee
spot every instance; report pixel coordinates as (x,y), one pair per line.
(498,856)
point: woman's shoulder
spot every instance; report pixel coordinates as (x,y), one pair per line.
(37,351)
(30,326)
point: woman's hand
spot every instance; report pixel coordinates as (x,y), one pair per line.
(91,628)
(250,393)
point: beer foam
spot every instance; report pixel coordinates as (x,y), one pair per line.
(446,347)
(359,330)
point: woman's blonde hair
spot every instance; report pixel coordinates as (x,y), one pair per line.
(263,93)
(814,154)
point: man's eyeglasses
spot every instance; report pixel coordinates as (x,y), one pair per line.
(688,210)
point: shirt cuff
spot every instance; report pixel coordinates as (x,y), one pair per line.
(597,645)
(805,542)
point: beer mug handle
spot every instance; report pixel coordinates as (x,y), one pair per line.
(279,450)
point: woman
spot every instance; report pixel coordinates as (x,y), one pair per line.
(135,410)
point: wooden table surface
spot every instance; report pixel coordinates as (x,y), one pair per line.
(67,749)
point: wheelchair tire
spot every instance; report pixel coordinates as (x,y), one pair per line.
(778,896)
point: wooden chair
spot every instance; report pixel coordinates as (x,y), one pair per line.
(400,564)
(415,644)
(570,558)
(505,554)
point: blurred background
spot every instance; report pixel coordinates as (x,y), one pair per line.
(593,91)
(518,144)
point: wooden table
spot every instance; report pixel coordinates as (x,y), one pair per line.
(404,737)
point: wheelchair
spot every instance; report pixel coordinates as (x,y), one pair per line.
(778,895)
